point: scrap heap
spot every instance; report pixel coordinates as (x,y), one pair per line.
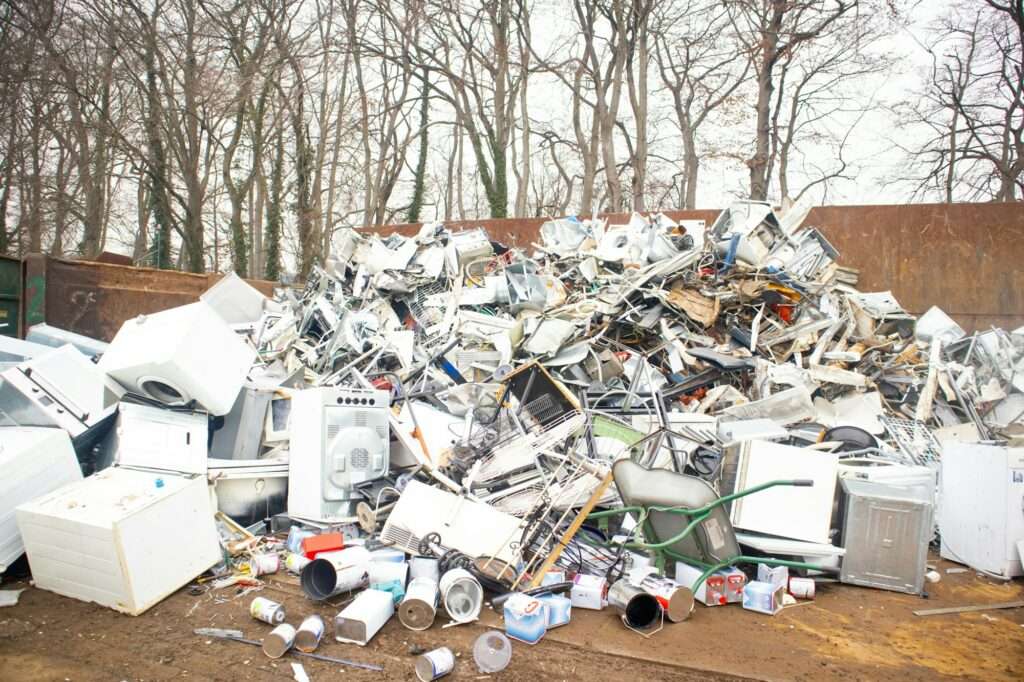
(632,415)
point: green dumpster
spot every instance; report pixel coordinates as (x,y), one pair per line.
(10,295)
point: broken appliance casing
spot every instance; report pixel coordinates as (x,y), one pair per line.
(981,509)
(754,228)
(122,538)
(249,490)
(181,355)
(339,438)
(150,437)
(885,533)
(235,300)
(801,513)
(241,435)
(62,388)
(35,461)
(471,527)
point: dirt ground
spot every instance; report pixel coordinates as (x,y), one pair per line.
(846,633)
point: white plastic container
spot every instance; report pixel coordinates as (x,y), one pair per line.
(121,538)
(179,355)
(34,461)
(364,617)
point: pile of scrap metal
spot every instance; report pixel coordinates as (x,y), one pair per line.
(640,415)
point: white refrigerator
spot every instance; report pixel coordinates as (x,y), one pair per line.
(981,507)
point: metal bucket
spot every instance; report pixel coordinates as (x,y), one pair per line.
(419,606)
(332,573)
(462,595)
(639,609)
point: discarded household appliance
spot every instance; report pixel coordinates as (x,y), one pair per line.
(886,531)
(981,516)
(249,490)
(61,388)
(474,528)
(339,438)
(241,434)
(35,461)
(800,513)
(116,538)
(181,355)
(364,617)
(160,438)
(235,300)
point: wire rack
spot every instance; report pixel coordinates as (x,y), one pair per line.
(914,439)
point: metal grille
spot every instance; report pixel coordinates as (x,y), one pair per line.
(333,430)
(359,458)
(914,439)
(361,418)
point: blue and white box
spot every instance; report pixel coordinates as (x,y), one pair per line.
(763,597)
(559,609)
(526,618)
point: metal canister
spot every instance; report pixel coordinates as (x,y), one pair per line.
(267,611)
(264,564)
(309,634)
(639,610)
(435,664)
(424,567)
(419,606)
(676,600)
(279,641)
(294,563)
(801,588)
(462,595)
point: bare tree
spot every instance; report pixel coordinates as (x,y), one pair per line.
(699,63)
(772,30)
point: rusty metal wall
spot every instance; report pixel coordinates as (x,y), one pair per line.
(96,298)
(965,258)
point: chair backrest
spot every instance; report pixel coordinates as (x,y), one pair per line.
(714,540)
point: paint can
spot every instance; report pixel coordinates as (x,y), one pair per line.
(461,595)
(639,610)
(675,600)
(332,573)
(309,634)
(419,606)
(435,664)
(424,567)
(279,641)
(492,652)
(801,588)
(294,563)
(264,564)
(267,611)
